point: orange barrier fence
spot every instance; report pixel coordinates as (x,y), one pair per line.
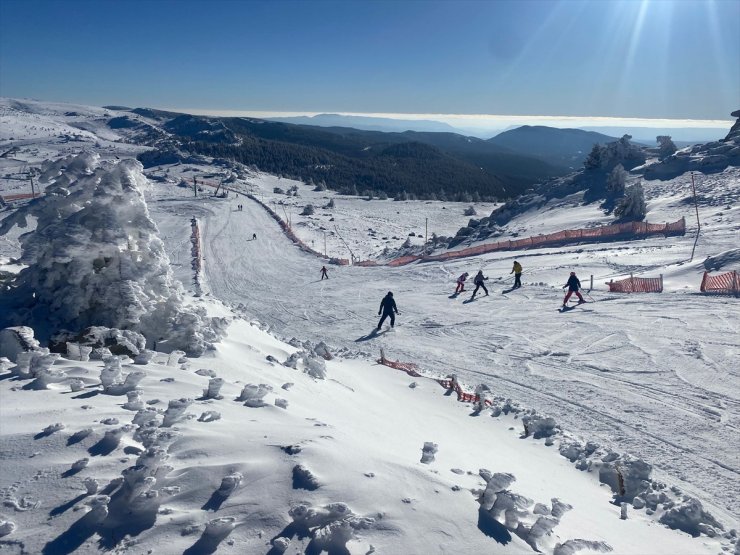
(636,285)
(629,229)
(411,369)
(722,284)
(286,229)
(196,252)
(20,196)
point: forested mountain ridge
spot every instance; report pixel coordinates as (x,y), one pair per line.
(410,164)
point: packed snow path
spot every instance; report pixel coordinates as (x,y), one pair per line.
(654,375)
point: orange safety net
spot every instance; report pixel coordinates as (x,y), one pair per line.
(195,251)
(409,367)
(723,284)
(637,285)
(286,229)
(19,196)
(557,238)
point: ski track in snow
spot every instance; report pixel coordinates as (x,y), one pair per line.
(657,394)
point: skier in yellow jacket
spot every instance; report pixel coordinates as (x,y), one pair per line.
(517,271)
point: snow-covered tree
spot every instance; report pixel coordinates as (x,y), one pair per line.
(470,211)
(308,210)
(666,146)
(616,180)
(95,259)
(632,205)
(618,152)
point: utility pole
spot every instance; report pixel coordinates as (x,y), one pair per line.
(195,187)
(698,223)
(426,233)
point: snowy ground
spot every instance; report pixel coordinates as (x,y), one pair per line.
(655,375)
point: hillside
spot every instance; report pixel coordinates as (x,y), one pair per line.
(560,147)
(347,159)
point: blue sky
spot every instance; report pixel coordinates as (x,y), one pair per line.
(633,58)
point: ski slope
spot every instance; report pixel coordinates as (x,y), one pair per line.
(654,374)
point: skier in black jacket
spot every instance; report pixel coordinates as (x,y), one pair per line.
(478,280)
(573,286)
(387,307)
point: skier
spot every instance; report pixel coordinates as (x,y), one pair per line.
(324,273)
(517,271)
(254,236)
(461,283)
(478,280)
(573,286)
(387,307)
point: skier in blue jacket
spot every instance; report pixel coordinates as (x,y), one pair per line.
(573,286)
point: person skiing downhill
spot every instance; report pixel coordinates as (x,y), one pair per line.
(478,280)
(387,307)
(517,271)
(573,286)
(461,283)
(324,273)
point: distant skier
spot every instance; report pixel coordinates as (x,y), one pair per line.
(461,283)
(324,273)
(254,236)
(573,286)
(517,271)
(387,307)
(478,280)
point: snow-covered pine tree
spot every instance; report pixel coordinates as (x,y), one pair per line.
(616,180)
(632,205)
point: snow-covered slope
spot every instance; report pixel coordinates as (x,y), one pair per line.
(653,375)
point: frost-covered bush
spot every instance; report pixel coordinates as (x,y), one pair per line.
(175,411)
(618,152)
(615,180)
(632,205)
(213,389)
(253,395)
(95,259)
(666,146)
(308,210)
(470,211)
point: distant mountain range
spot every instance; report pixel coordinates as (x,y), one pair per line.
(558,147)
(368,123)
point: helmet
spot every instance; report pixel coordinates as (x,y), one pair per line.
(572,273)
(390,293)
